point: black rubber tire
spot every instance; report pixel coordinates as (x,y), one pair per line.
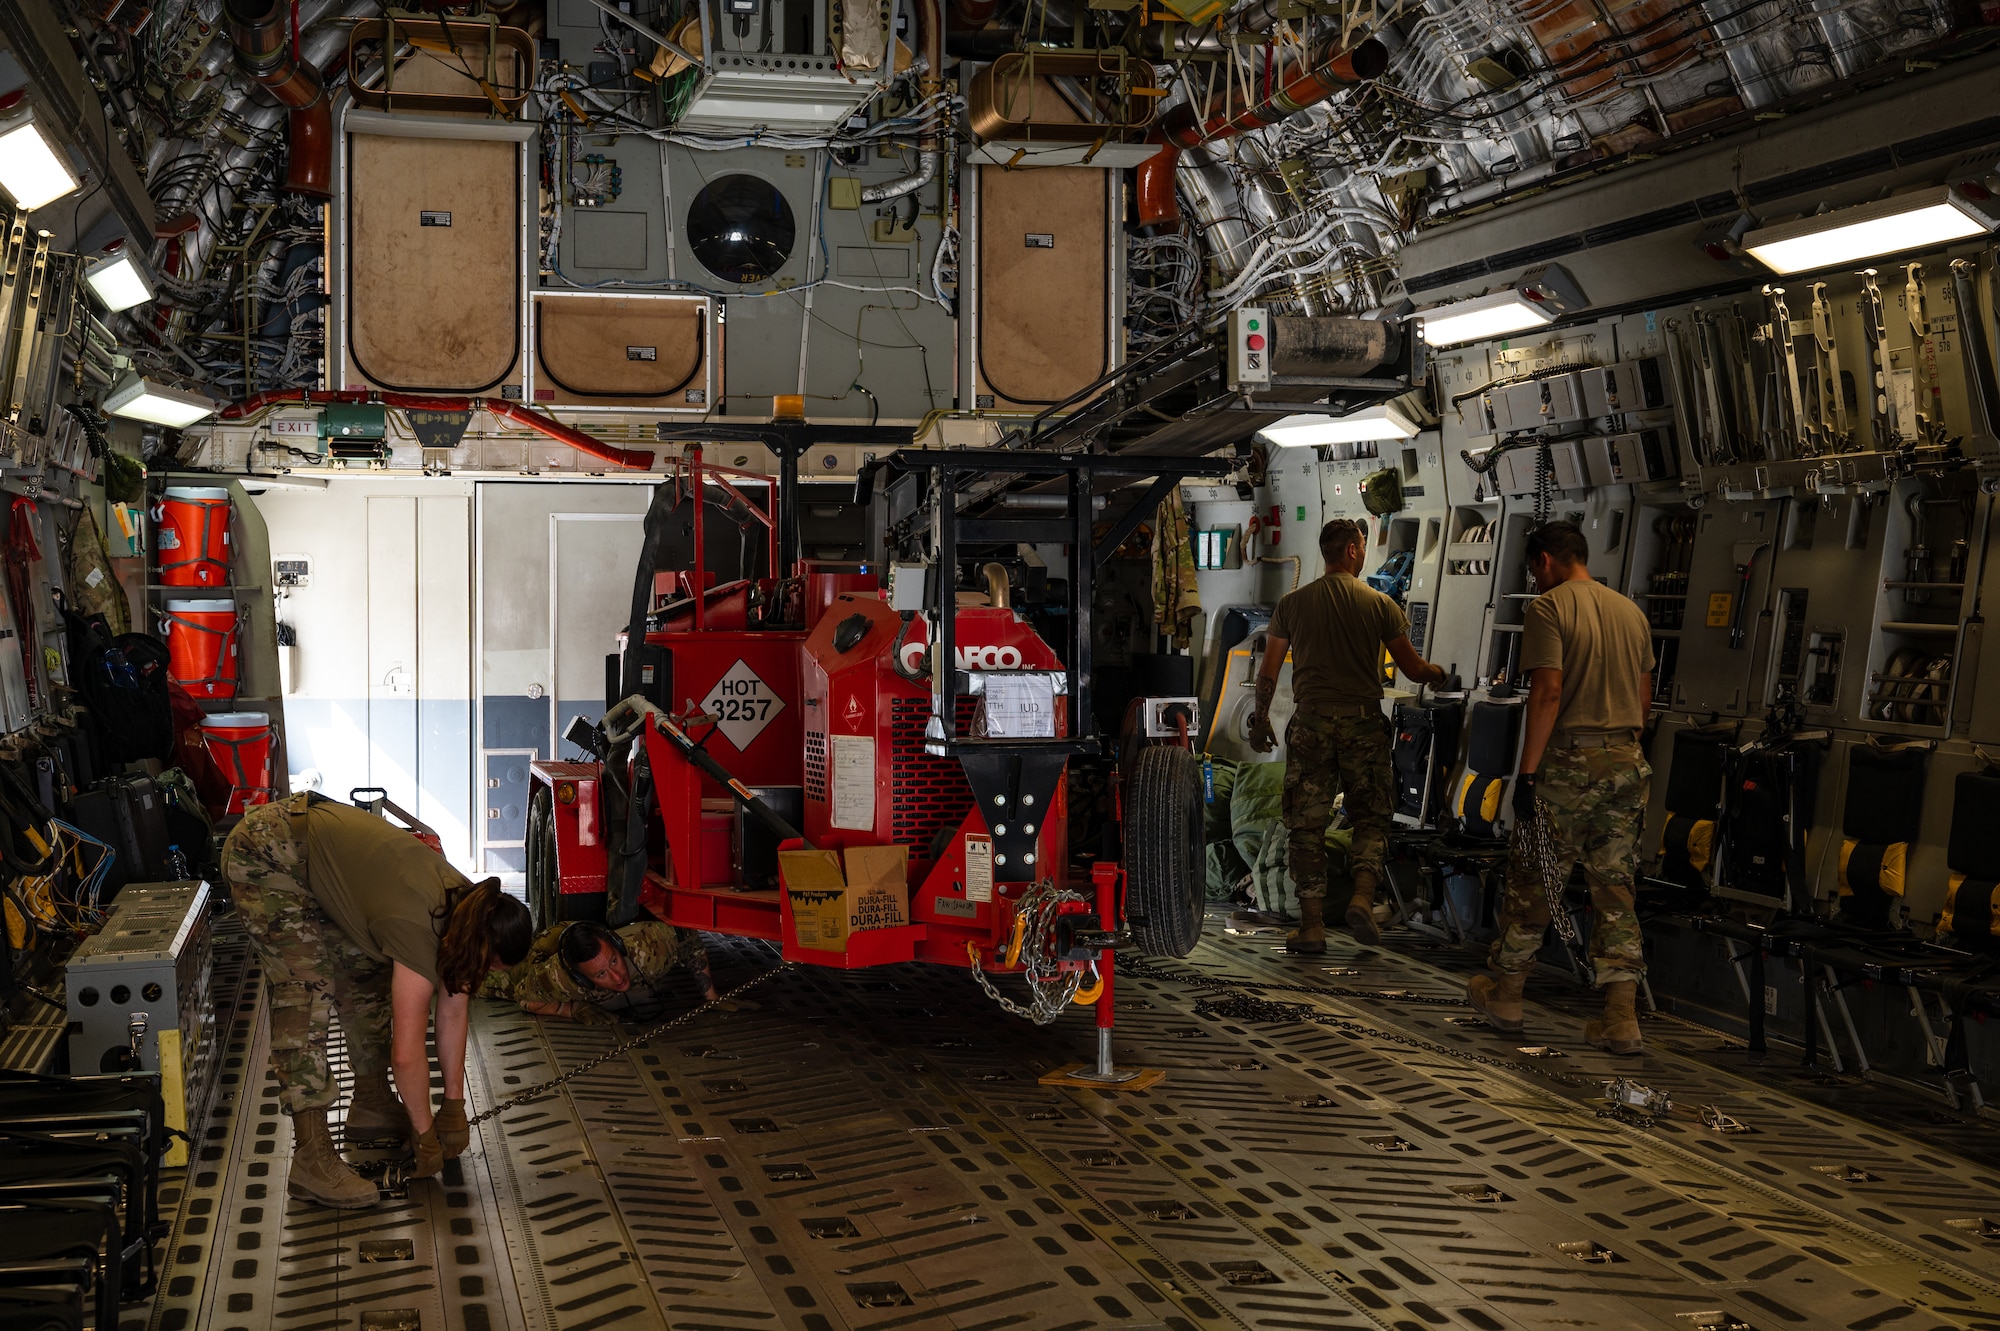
(544,884)
(1165,882)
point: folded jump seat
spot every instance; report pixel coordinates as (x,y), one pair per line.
(1972,854)
(1772,788)
(1881,819)
(1695,785)
(1492,745)
(1421,756)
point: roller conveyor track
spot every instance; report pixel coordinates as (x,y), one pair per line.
(871,1150)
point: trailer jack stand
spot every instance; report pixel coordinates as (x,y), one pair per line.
(1105,1077)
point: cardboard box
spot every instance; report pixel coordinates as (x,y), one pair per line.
(878,888)
(827,904)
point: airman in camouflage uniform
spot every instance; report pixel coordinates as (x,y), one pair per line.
(314,965)
(1596,801)
(345,910)
(1582,787)
(1335,630)
(653,950)
(1326,755)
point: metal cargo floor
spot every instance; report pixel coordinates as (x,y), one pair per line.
(871,1150)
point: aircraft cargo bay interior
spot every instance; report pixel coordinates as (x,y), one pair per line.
(885,665)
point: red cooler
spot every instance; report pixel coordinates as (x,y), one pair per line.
(240,744)
(191,536)
(201,647)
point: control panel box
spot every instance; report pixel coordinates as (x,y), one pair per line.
(139,995)
(1249,348)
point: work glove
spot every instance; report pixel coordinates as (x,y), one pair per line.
(454,1134)
(1451,683)
(1524,797)
(429,1155)
(1262,738)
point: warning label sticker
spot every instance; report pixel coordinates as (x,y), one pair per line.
(979,868)
(743,704)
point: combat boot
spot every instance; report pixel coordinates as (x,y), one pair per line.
(1498,999)
(373,1111)
(1361,911)
(1618,1029)
(1309,939)
(318,1173)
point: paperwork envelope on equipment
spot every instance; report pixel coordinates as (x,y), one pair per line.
(828,905)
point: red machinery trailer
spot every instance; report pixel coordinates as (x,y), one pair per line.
(882,705)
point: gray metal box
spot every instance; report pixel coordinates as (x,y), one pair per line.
(1493,414)
(1555,400)
(1515,472)
(1630,385)
(153,958)
(1625,459)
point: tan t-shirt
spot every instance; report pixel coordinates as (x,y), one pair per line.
(1338,627)
(378,883)
(1600,642)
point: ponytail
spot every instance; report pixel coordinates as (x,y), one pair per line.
(479,924)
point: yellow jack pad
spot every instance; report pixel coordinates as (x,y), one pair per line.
(1079,1075)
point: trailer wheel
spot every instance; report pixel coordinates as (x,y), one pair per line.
(544,903)
(1165,887)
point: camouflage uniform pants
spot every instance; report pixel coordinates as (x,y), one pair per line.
(312,965)
(1597,801)
(1324,756)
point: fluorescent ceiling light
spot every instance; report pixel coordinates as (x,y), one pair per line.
(1380,421)
(143,400)
(32,170)
(119,281)
(1482,317)
(1913,221)
(1538,298)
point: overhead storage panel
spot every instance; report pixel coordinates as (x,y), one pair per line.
(1044,284)
(433,263)
(621,352)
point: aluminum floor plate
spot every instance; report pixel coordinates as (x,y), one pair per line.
(871,1150)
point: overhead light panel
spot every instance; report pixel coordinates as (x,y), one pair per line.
(1537,299)
(1918,220)
(140,399)
(32,169)
(119,280)
(1380,421)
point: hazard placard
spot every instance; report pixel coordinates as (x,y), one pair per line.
(743,704)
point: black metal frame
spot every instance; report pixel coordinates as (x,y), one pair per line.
(788,441)
(1074,531)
